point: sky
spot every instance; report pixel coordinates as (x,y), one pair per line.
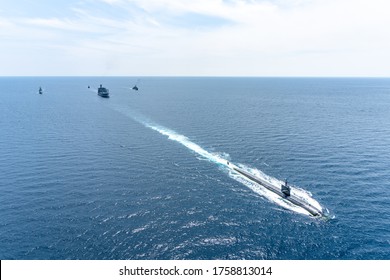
(315,38)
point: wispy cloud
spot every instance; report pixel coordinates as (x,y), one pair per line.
(112,2)
(4,23)
(55,23)
(204,37)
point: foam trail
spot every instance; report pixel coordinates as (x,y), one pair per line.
(172,135)
(94,90)
(222,161)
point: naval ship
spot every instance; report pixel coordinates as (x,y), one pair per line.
(103,92)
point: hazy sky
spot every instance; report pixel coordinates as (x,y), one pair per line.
(195,37)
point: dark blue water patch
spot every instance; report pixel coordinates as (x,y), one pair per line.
(81,179)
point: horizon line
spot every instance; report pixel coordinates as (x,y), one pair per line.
(187,76)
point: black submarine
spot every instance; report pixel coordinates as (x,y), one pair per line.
(284,191)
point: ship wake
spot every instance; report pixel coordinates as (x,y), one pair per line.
(221,160)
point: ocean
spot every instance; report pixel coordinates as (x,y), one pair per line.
(139,175)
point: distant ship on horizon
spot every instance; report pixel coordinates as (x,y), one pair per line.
(135,87)
(103,92)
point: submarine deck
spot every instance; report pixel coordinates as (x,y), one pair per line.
(293,199)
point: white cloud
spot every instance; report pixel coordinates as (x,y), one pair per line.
(296,37)
(56,23)
(112,2)
(4,23)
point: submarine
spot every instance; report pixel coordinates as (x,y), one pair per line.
(284,191)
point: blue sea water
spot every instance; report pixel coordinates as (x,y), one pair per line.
(136,176)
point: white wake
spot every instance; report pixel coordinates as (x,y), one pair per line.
(221,159)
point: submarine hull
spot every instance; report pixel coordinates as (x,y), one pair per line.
(314,211)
